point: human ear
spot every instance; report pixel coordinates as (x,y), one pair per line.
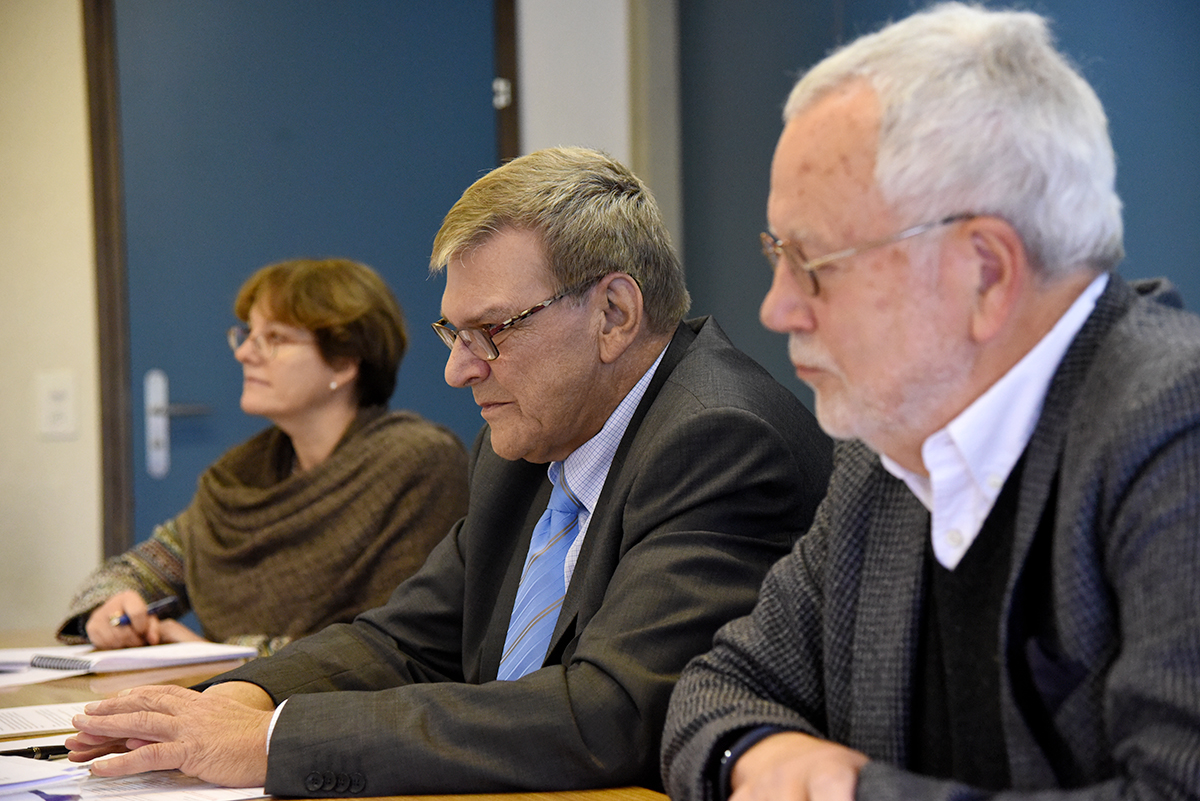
(1001,272)
(345,370)
(621,314)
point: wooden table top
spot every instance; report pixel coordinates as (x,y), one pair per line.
(92,687)
(610,794)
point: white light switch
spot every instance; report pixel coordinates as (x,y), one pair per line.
(57,418)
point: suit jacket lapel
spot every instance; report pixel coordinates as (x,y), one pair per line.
(606,516)
(1043,454)
(1044,451)
(1043,461)
(493,640)
(886,623)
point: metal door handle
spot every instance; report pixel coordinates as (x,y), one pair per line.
(159,411)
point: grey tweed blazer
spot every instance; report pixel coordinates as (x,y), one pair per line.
(1100,629)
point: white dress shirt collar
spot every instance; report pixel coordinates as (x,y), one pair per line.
(586,468)
(970,459)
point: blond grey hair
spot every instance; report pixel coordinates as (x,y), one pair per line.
(593,215)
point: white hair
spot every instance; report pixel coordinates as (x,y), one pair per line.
(980,113)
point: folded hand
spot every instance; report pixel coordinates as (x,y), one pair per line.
(211,735)
(798,767)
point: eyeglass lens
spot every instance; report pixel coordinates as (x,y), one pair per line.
(776,249)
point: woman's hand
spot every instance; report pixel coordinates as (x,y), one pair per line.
(174,631)
(143,628)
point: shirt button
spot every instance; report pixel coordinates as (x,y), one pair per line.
(995,482)
(954,537)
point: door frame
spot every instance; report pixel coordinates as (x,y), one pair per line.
(112,335)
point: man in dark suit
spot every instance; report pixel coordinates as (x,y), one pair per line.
(999,591)
(689,471)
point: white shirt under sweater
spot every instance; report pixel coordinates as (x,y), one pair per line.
(970,459)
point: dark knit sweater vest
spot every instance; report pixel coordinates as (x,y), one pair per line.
(956,726)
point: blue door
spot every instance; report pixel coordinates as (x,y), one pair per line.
(260,130)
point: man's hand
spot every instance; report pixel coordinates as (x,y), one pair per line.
(219,736)
(796,767)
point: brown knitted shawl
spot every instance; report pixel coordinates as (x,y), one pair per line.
(276,553)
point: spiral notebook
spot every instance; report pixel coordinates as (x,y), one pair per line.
(85,658)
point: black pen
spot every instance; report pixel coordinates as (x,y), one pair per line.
(39,752)
(153,608)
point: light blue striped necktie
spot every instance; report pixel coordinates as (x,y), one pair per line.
(542,588)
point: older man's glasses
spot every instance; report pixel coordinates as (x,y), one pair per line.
(805,269)
(479,340)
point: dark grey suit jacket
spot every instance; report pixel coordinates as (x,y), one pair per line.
(1100,632)
(719,471)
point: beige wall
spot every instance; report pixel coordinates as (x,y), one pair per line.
(49,482)
(573,74)
(604,74)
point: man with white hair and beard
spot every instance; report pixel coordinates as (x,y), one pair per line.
(999,590)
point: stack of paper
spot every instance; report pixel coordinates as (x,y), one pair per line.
(37,780)
(18,659)
(32,665)
(83,657)
(15,666)
(161,785)
(21,775)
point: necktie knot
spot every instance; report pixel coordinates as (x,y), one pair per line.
(562,500)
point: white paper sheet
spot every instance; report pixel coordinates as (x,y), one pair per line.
(19,774)
(163,785)
(26,721)
(58,780)
(17,659)
(83,657)
(35,676)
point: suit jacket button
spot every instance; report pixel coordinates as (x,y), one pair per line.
(358,783)
(313,782)
(343,783)
(329,779)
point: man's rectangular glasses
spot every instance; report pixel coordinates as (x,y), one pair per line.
(775,249)
(479,339)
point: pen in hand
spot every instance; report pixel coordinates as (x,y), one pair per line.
(153,608)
